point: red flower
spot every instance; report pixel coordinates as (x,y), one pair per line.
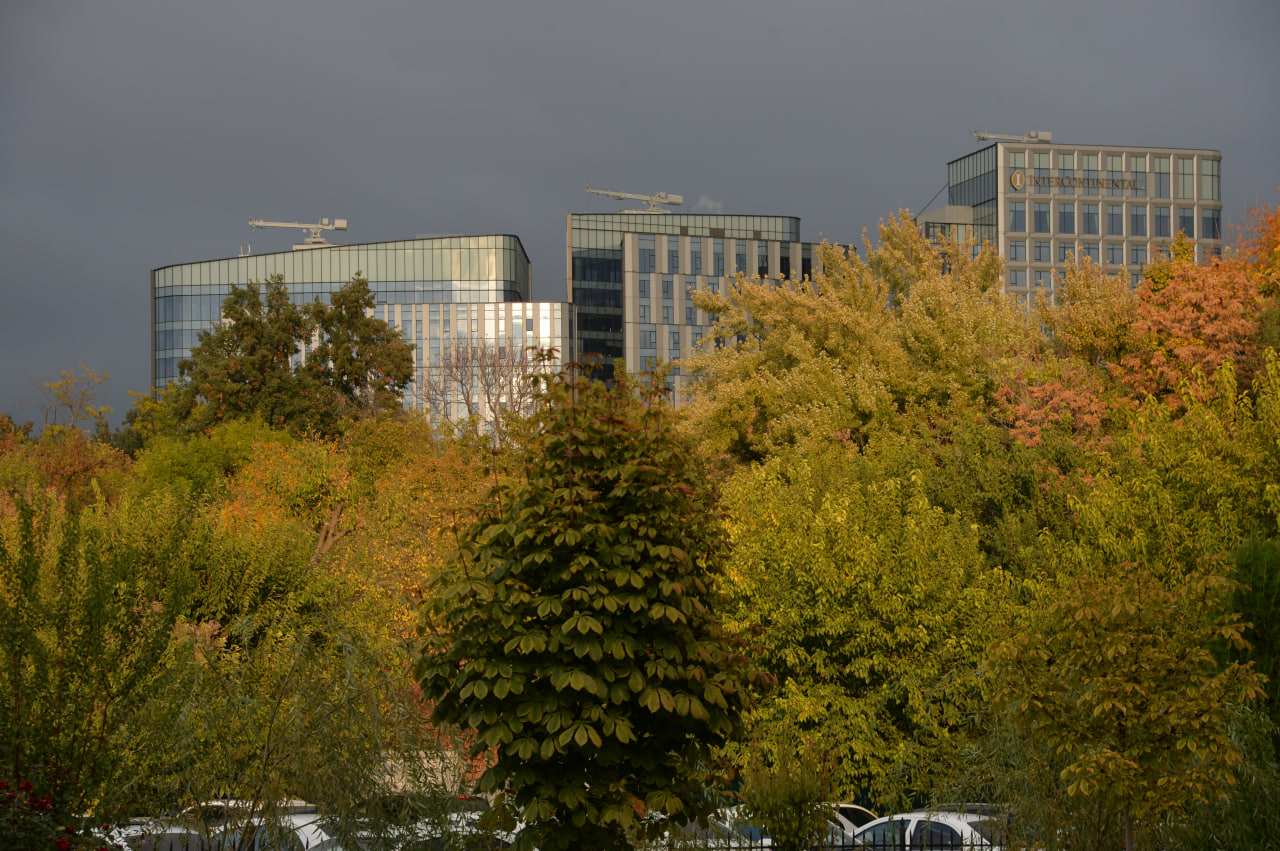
(63,845)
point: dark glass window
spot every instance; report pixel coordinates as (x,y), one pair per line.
(1018,216)
(1138,174)
(1018,251)
(1160,165)
(1211,224)
(1187,221)
(1017,277)
(1041,223)
(1065,251)
(717,257)
(1089,218)
(1066,218)
(1160,225)
(1115,253)
(763,259)
(1138,221)
(1090,250)
(1115,220)
(644,287)
(1138,255)
(668,288)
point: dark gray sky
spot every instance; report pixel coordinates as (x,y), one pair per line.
(140,134)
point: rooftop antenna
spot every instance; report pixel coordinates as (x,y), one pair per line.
(652,200)
(1041,137)
(315,239)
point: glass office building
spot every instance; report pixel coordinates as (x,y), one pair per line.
(1044,204)
(632,275)
(442,293)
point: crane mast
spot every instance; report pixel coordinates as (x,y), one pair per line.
(315,238)
(652,200)
(1042,137)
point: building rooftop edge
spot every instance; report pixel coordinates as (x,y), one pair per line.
(348,245)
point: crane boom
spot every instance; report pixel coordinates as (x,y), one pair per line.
(652,200)
(1037,136)
(316,236)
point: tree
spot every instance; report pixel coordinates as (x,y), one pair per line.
(480,385)
(576,629)
(1117,678)
(363,361)
(254,363)
(73,398)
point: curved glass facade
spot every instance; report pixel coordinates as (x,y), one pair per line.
(462,290)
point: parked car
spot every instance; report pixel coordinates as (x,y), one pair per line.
(849,817)
(931,830)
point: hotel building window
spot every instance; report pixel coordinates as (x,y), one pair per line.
(1211,224)
(1160,225)
(1209,180)
(1044,279)
(1186,178)
(1066,217)
(1138,174)
(1187,221)
(1018,216)
(1160,168)
(1018,252)
(1115,220)
(1041,210)
(1041,162)
(1137,221)
(1042,254)
(1089,167)
(1090,250)
(1017,277)
(1115,253)
(1066,250)
(1115,174)
(1067,171)
(1089,218)
(1138,255)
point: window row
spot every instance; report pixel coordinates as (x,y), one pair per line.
(1094,174)
(1042,252)
(1091,219)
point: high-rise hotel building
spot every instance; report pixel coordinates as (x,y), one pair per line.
(1043,204)
(632,276)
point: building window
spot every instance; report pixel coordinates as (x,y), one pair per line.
(1135,279)
(1017,277)
(695,257)
(717,257)
(1018,252)
(1017,159)
(1066,171)
(1041,211)
(1044,279)
(1018,216)
(1138,255)
(1089,218)
(1160,166)
(649,339)
(1211,224)
(1066,251)
(667,287)
(1115,174)
(762,253)
(1042,254)
(667,312)
(644,313)
(1160,225)
(1090,250)
(1187,221)
(1066,218)
(1115,220)
(741,260)
(1137,221)
(1089,167)
(695,336)
(690,315)
(1042,173)
(648,257)
(644,287)
(674,343)
(1209,180)
(1138,174)
(1115,253)
(1186,177)
(673,257)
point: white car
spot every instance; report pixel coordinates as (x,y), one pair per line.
(931,830)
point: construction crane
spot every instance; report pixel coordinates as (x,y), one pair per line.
(316,237)
(1042,137)
(652,200)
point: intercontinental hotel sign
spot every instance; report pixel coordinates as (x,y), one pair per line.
(1018,180)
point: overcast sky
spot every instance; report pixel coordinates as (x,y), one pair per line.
(135,135)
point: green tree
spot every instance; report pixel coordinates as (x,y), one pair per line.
(1117,679)
(364,361)
(301,367)
(576,630)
